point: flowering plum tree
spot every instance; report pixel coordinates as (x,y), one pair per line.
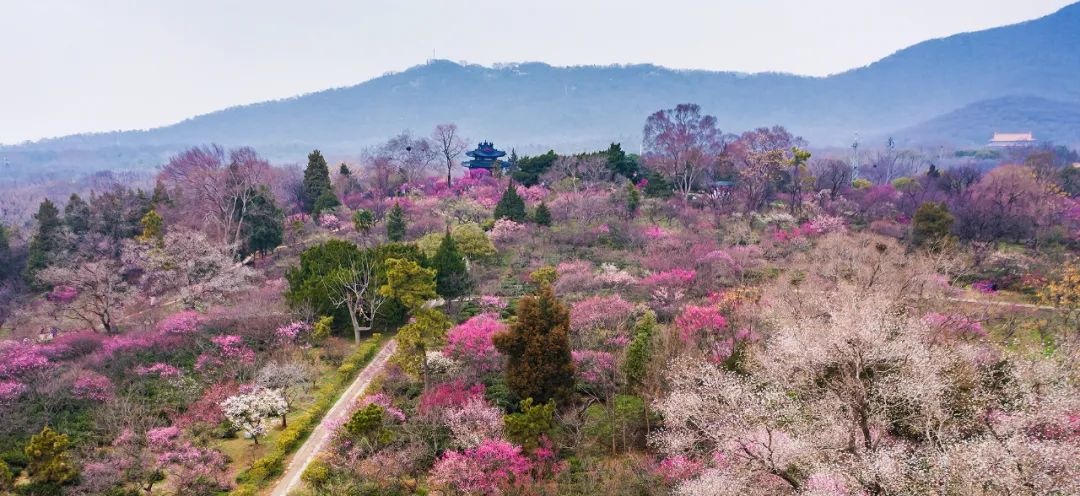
(682,143)
(249,411)
(489,469)
(203,185)
(473,423)
(471,343)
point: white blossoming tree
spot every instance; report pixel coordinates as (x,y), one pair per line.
(854,391)
(249,411)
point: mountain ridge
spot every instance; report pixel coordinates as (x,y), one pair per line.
(534,106)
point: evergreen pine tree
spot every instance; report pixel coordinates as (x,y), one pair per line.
(537,347)
(510,206)
(264,225)
(344,170)
(46,244)
(542,216)
(395,224)
(316,180)
(451,273)
(326,201)
(618,162)
(77,215)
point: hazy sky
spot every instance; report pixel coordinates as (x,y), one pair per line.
(96,65)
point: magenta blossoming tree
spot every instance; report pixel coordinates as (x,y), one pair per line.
(470,343)
(184,322)
(488,469)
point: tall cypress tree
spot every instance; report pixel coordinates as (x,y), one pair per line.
(537,346)
(316,180)
(451,273)
(46,244)
(395,224)
(510,206)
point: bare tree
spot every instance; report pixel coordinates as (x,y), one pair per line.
(202,182)
(449,144)
(412,156)
(356,287)
(582,170)
(99,292)
(890,163)
(831,174)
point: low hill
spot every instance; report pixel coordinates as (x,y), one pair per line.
(972,125)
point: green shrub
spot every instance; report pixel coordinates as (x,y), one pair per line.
(317,473)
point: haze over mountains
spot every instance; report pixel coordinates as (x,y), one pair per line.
(955,90)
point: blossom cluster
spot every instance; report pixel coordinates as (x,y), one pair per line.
(248,411)
(387,405)
(473,422)
(185,322)
(506,231)
(18,359)
(291,331)
(600,312)
(471,342)
(329,222)
(488,469)
(595,368)
(451,394)
(492,302)
(696,322)
(159,369)
(92,386)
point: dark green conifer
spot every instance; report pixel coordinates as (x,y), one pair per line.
(542,216)
(451,273)
(510,206)
(395,224)
(316,181)
(46,245)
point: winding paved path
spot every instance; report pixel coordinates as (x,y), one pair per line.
(321,435)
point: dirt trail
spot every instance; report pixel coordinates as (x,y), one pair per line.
(319,437)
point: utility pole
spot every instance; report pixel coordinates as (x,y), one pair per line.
(855,159)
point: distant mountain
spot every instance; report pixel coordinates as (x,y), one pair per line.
(533,106)
(974,124)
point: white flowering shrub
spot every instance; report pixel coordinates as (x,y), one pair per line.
(249,411)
